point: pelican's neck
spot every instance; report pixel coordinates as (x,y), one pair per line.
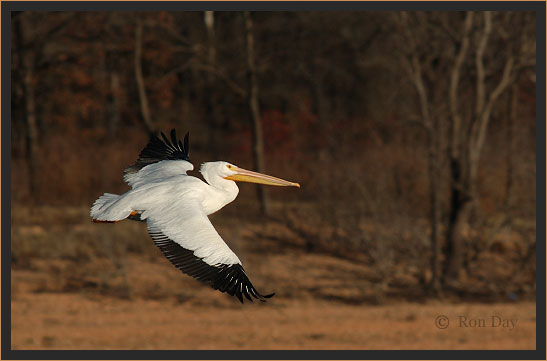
(219,193)
(221,184)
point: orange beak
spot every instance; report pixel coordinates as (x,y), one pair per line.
(244,175)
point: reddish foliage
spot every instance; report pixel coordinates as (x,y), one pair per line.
(277,134)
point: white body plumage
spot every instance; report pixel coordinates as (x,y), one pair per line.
(177,204)
(175,207)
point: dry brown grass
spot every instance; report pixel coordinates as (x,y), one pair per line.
(76,321)
(78,285)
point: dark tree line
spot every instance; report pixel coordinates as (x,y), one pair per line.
(385,118)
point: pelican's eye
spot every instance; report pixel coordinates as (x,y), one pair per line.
(230,167)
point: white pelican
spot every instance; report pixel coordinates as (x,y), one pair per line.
(175,207)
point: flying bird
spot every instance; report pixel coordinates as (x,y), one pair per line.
(175,207)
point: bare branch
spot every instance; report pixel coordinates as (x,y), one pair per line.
(170,31)
(505,81)
(403,19)
(231,84)
(454,84)
(414,70)
(422,91)
(178,69)
(36,37)
(445,26)
(145,110)
(479,58)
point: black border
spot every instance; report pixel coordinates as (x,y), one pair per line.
(275,355)
(8,6)
(540,179)
(6,181)
(269,5)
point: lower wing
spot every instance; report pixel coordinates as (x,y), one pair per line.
(184,234)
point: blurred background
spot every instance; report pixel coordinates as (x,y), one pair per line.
(412,135)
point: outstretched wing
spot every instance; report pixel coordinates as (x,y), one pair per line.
(158,150)
(184,234)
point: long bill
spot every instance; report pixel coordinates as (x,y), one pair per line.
(244,175)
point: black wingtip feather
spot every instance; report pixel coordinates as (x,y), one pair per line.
(233,280)
(159,149)
(174,137)
(230,279)
(239,297)
(186,143)
(165,140)
(246,294)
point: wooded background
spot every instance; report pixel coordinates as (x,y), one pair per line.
(411,133)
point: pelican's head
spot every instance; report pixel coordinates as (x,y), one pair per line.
(234,173)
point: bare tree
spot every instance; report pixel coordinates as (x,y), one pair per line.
(510,139)
(212,99)
(27,64)
(114,103)
(467,139)
(455,134)
(30,34)
(258,141)
(143,98)
(434,136)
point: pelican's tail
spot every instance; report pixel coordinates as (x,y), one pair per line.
(106,209)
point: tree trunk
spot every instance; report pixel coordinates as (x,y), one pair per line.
(27,65)
(511,121)
(464,162)
(459,197)
(434,134)
(213,114)
(461,204)
(32,128)
(460,212)
(145,110)
(115,104)
(258,143)
(435,212)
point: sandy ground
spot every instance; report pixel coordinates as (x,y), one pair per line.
(79,321)
(76,285)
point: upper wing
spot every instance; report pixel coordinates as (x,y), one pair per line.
(187,238)
(157,150)
(158,172)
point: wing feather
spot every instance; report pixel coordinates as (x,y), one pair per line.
(189,241)
(158,172)
(158,150)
